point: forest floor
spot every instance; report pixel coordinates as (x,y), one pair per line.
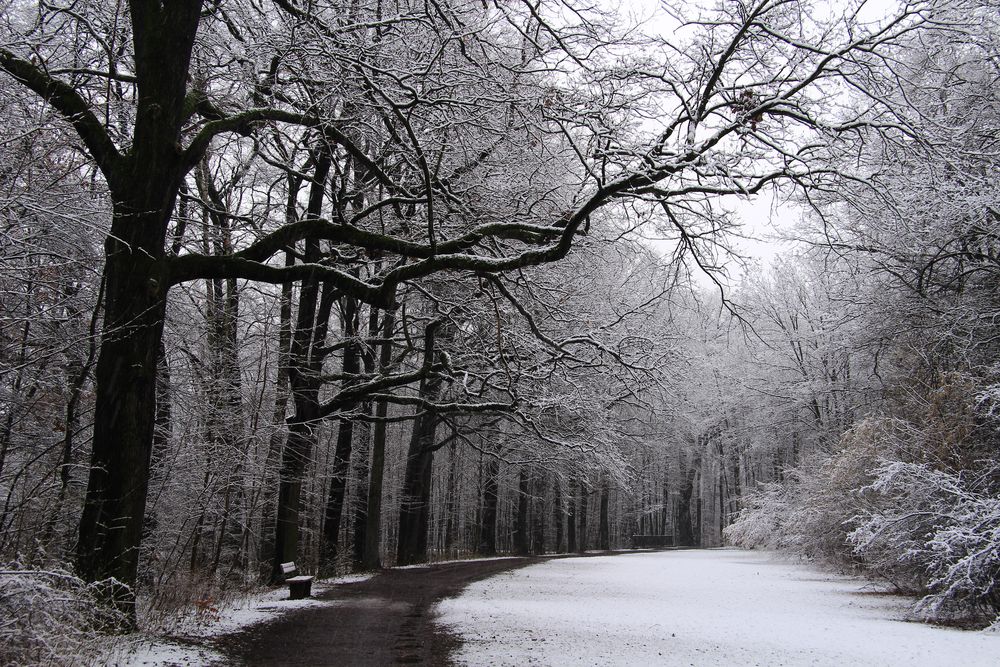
(696,607)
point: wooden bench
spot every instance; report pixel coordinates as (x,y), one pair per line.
(652,541)
(299,587)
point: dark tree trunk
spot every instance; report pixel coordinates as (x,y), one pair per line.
(557,514)
(491,497)
(363,470)
(685,535)
(304,365)
(144,185)
(522,545)
(373,530)
(125,407)
(664,515)
(571,517)
(538,516)
(345,439)
(584,499)
(414,511)
(605,528)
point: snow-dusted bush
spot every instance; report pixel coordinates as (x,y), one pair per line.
(811,513)
(49,617)
(805,515)
(938,531)
(911,501)
(761,521)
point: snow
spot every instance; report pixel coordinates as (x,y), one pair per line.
(150,651)
(258,608)
(423,566)
(183,649)
(706,607)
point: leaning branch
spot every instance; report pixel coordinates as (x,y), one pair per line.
(68,102)
(245,121)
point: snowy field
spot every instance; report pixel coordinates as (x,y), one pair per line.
(717,607)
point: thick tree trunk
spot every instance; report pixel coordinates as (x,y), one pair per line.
(557,514)
(373,518)
(491,497)
(144,185)
(684,525)
(125,406)
(414,511)
(304,365)
(571,517)
(604,537)
(521,535)
(538,516)
(345,441)
(584,498)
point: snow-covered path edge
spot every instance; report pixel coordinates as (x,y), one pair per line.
(187,639)
(706,607)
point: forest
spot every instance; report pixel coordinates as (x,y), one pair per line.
(369,283)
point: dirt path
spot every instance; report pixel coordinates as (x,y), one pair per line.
(386,620)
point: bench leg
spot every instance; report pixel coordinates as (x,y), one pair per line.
(297,590)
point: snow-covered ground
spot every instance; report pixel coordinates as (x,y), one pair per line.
(712,607)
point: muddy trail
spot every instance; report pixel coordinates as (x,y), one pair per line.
(386,620)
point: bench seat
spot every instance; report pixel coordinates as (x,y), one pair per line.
(299,587)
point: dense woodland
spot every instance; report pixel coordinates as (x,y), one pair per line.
(370,283)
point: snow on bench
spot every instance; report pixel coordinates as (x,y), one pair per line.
(299,587)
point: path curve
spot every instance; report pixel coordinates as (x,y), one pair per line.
(385,620)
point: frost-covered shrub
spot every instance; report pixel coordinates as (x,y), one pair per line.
(939,532)
(49,617)
(811,513)
(798,516)
(804,515)
(760,522)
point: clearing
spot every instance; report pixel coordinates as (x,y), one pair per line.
(706,607)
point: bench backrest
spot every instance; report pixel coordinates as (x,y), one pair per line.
(287,568)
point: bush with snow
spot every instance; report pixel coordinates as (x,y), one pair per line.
(939,531)
(49,617)
(811,513)
(911,502)
(761,522)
